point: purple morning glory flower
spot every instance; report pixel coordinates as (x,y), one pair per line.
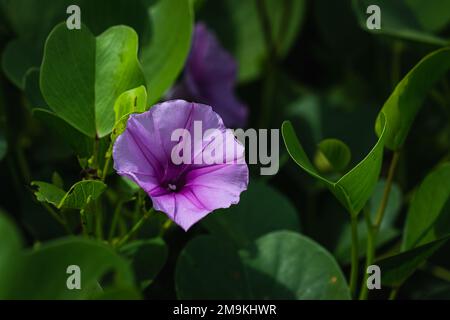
(209,77)
(187,191)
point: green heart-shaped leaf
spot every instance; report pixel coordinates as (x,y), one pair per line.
(279,265)
(402,106)
(356,186)
(82,76)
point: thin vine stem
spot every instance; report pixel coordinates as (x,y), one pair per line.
(374,227)
(135,228)
(354,255)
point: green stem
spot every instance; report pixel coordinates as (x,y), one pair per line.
(374,228)
(85,219)
(370,256)
(135,228)
(437,271)
(394,293)
(166,226)
(355,256)
(99,219)
(84,222)
(108,157)
(387,190)
(115,220)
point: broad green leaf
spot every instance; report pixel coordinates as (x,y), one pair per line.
(402,106)
(163,58)
(77,197)
(398,20)
(10,258)
(134,100)
(279,265)
(398,268)
(332,155)
(45,274)
(261,209)
(427,220)
(356,186)
(82,76)
(32,20)
(239,27)
(387,231)
(147,259)
(3,145)
(82,145)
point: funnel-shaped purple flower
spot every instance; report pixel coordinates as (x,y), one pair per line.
(188,191)
(209,77)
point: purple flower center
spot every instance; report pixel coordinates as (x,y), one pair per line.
(174,185)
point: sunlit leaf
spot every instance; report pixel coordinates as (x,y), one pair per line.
(134,100)
(129,102)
